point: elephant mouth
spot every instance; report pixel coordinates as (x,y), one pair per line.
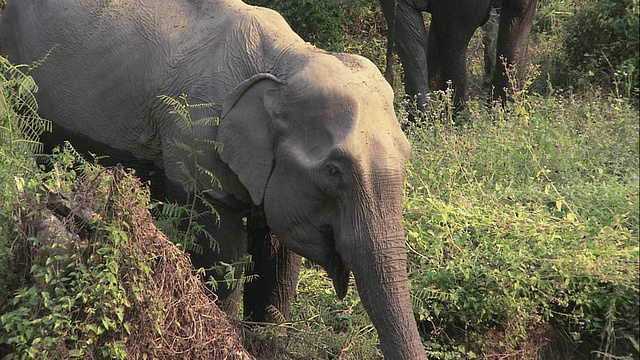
(336,267)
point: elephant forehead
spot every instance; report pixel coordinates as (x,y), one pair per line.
(375,147)
(334,70)
(365,149)
(338,101)
(332,117)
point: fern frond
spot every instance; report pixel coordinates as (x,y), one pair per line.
(37,64)
(202,171)
(207,121)
(213,244)
(170,210)
(26,147)
(192,172)
(176,108)
(201,105)
(180,145)
(276,314)
(22,126)
(209,144)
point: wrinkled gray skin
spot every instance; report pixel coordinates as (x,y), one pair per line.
(429,60)
(309,137)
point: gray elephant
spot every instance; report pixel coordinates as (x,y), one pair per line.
(430,60)
(309,138)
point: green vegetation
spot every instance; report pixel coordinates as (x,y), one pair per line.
(596,44)
(527,219)
(86,273)
(20,127)
(522,225)
(336,25)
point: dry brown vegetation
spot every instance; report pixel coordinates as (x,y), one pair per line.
(167,308)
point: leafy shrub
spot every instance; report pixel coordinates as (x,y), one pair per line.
(319,22)
(335,25)
(599,43)
(525,219)
(20,128)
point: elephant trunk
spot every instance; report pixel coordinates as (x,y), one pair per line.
(380,269)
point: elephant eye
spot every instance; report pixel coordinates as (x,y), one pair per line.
(333,171)
(331,180)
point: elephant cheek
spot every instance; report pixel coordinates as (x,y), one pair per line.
(316,242)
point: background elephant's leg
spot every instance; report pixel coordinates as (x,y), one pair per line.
(453,23)
(433,63)
(411,42)
(389,12)
(489,41)
(516,18)
(277,269)
(452,66)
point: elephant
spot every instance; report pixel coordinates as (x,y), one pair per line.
(441,55)
(311,149)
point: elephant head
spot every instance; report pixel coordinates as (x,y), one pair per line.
(326,160)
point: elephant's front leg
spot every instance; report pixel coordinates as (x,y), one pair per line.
(277,269)
(230,234)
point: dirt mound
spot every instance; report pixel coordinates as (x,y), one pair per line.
(151,304)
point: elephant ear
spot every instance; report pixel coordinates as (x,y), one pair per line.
(245,132)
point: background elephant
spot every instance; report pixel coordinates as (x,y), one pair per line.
(443,56)
(311,143)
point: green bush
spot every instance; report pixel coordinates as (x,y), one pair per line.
(598,44)
(319,22)
(527,218)
(20,128)
(334,25)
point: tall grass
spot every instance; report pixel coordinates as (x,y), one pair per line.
(527,218)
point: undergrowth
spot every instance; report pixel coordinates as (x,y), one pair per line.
(527,218)
(86,273)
